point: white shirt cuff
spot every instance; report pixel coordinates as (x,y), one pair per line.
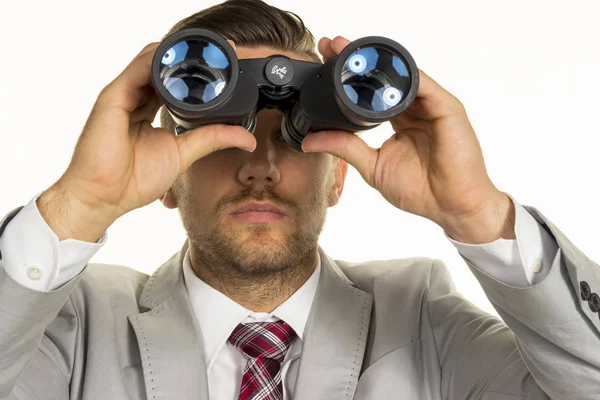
(33,256)
(522,262)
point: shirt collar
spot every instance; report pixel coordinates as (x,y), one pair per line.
(218,315)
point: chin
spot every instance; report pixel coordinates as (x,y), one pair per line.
(263,258)
(264,245)
(258,233)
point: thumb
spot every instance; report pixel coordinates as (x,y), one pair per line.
(345,145)
(207,139)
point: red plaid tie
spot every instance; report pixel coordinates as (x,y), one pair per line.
(264,345)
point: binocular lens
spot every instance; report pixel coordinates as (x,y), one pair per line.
(195,71)
(375,79)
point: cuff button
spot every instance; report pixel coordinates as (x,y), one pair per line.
(35,274)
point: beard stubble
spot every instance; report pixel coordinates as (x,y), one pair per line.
(265,265)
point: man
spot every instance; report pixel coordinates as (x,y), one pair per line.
(251,307)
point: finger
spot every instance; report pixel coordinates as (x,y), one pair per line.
(131,73)
(127,90)
(330,48)
(345,145)
(338,44)
(408,120)
(146,111)
(433,101)
(148,106)
(325,49)
(207,139)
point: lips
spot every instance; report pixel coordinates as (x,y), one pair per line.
(258,207)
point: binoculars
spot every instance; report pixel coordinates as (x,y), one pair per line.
(201,81)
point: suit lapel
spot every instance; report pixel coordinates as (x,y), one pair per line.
(335,337)
(173,358)
(168,336)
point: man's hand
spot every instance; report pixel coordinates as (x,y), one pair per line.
(121,162)
(431,166)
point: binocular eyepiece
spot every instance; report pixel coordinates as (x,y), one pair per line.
(201,81)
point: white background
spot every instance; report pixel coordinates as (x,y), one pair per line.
(527,72)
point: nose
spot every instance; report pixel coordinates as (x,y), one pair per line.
(260,166)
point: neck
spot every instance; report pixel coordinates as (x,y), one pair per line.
(258,292)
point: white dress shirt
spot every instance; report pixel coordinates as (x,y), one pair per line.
(218,315)
(33,256)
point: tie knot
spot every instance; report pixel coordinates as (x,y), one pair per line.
(263,339)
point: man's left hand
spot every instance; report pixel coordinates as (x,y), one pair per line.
(431,166)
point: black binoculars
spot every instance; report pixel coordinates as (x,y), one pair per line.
(201,81)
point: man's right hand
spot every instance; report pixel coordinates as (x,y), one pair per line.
(121,162)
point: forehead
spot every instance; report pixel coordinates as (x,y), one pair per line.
(243,52)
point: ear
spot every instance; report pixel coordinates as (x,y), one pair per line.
(340,170)
(168,199)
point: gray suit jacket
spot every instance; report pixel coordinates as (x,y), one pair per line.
(393,329)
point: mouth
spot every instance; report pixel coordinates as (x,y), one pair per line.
(258,213)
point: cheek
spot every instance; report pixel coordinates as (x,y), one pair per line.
(314,180)
(217,166)
(215,175)
(210,179)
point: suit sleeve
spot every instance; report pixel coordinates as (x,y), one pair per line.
(38,331)
(32,255)
(548,345)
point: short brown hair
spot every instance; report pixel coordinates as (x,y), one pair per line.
(250,23)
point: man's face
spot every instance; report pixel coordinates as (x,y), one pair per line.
(302,185)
